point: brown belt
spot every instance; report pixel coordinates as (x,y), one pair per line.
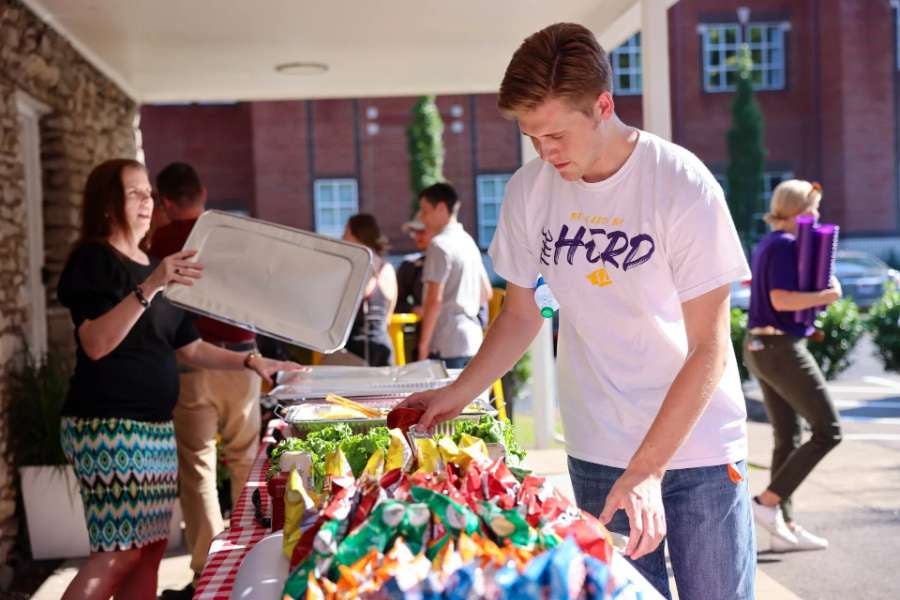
(767,330)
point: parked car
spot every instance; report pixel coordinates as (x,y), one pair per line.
(863,278)
(740,294)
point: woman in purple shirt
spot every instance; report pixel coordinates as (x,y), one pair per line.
(792,383)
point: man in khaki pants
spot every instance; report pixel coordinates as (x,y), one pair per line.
(211,401)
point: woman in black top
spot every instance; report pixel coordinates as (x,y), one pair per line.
(369,337)
(117,421)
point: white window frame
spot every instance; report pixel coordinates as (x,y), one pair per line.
(30,112)
(769,71)
(333,187)
(487,225)
(630,49)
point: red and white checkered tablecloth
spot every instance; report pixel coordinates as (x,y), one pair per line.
(229,547)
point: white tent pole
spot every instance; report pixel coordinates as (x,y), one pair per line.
(656,96)
(543,365)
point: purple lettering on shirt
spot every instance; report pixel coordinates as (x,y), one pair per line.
(633,260)
(546,245)
(591,247)
(571,243)
(614,248)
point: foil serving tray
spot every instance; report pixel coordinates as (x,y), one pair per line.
(282,282)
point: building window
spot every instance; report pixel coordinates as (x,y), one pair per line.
(626,64)
(336,200)
(490,190)
(721,43)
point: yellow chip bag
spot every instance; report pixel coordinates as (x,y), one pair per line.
(375,465)
(473,448)
(296,503)
(428,455)
(336,465)
(399,454)
(450,451)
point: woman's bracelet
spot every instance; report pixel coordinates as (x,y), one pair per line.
(249,357)
(139,294)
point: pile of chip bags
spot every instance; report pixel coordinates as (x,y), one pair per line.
(433,518)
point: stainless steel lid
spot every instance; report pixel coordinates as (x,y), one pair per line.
(285,283)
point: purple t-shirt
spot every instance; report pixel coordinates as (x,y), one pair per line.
(774,267)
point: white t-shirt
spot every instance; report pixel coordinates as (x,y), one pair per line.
(621,256)
(454,260)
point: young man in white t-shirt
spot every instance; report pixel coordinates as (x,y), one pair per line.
(633,235)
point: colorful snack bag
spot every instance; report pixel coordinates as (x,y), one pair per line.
(415,525)
(322,548)
(370,495)
(296,504)
(374,468)
(403,418)
(501,483)
(474,449)
(428,457)
(399,453)
(338,510)
(507,524)
(375,533)
(462,584)
(597,579)
(591,536)
(567,571)
(449,451)
(454,516)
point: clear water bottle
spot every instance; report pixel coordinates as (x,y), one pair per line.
(544,299)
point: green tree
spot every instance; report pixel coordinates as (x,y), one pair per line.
(426,147)
(746,153)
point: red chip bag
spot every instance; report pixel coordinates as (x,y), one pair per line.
(403,418)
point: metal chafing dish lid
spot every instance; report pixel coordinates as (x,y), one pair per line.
(285,283)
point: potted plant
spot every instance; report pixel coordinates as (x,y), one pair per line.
(53,510)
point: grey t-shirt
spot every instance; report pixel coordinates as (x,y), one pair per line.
(454,260)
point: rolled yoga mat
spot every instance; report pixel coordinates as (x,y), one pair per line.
(805,263)
(826,238)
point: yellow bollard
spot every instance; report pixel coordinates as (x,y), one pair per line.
(395,331)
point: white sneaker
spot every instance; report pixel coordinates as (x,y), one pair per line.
(771,519)
(805,541)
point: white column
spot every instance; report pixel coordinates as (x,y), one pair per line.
(543,365)
(656,98)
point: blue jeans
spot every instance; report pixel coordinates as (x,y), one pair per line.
(709,524)
(456,362)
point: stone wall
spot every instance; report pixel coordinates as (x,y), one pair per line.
(90,120)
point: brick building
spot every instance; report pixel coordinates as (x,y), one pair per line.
(826,80)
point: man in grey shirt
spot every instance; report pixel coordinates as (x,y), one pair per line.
(456,284)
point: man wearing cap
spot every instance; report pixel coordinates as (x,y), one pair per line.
(409,273)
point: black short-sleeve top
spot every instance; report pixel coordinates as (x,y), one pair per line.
(139,378)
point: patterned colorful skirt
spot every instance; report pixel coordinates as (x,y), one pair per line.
(128,475)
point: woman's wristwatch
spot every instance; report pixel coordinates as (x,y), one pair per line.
(248,358)
(139,294)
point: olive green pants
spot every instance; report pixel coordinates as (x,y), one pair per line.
(793,387)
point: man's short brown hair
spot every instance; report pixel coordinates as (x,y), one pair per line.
(560,61)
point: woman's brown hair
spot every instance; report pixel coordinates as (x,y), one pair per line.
(365,228)
(560,61)
(103,202)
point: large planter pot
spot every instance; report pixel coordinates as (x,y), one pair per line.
(55,514)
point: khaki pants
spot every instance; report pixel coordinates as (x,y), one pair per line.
(211,402)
